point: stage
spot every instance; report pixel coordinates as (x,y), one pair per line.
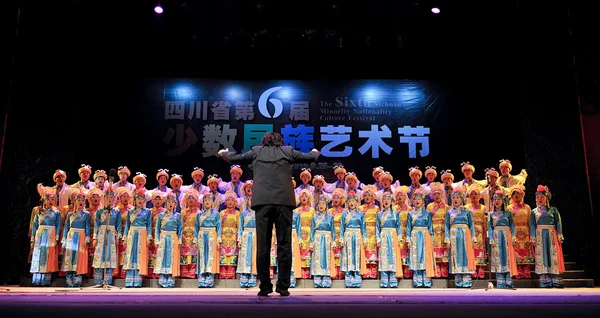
(304,302)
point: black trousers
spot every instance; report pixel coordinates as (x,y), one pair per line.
(281,217)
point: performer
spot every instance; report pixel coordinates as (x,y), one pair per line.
(370,210)
(546,233)
(386,179)
(430,174)
(207,237)
(419,231)
(352,182)
(402,206)
(162,176)
(138,237)
(107,232)
(167,236)
(197,175)
(377,171)
(306,212)
(448,180)
(438,210)
(187,248)
(459,229)
(521,213)
(124,206)
(218,199)
(318,182)
(235,184)
(478,213)
(60,188)
(176,182)
(507,180)
(100,177)
(389,232)
(305,177)
(124,174)
(467,169)
(296,244)
(139,182)
(491,188)
(502,237)
(45,229)
(73,192)
(84,174)
(246,266)
(246,191)
(230,219)
(75,239)
(158,200)
(336,211)
(322,241)
(353,235)
(415,178)
(340,173)
(95,204)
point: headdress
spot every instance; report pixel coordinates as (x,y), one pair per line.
(318,178)
(59,172)
(309,195)
(352,196)
(109,191)
(93,191)
(476,186)
(208,195)
(124,169)
(519,188)
(83,168)
(351,175)
(339,169)
(505,163)
(467,166)
(429,170)
(139,194)
(415,170)
(162,172)
(230,194)
(340,193)
(305,171)
(245,184)
(175,177)
(386,175)
(370,188)
(100,173)
(123,190)
(139,175)
(492,172)
(198,171)
(541,189)
(436,187)
(418,193)
(212,178)
(447,174)
(377,170)
(236,168)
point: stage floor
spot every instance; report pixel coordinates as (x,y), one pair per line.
(234,302)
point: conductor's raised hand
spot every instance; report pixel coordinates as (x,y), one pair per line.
(223,151)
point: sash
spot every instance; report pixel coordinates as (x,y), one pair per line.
(363,258)
(559,251)
(82,252)
(254,271)
(296,247)
(143,261)
(396,248)
(469,242)
(512,256)
(216,258)
(175,254)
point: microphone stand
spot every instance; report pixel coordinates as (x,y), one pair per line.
(104,285)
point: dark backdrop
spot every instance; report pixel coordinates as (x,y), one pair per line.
(77,69)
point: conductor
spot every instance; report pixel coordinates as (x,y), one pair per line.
(273,200)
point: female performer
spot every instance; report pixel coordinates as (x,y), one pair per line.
(166,239)
(246,266)
(419,231)
(75,239)
(107,232)
(389,232)
(521,213)
(322,241)
(459,235)
(502,237)
(207,237)
(138,236)
(353,235)
(44,238)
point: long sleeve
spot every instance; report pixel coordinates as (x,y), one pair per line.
(97,222)
(430,224)
(119,224)
(243,158)
(408,226)
(158,227)
(179,227)
(312,229)
(558,223)
(342,225)
(511,224)
(35,227)
(127,224)
(304,157)
(447,226)
(240,227)
(87,227)
(378,226)
(57,225)
(197,227)
(398,225)
(532,225)
(363,225)
(471,223)
(490,228)
(149,224)
(219,231)
(332,228)
(67,227)
(298,227)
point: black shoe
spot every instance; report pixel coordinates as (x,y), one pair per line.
(264,293)
(284,293)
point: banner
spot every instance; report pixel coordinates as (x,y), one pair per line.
(367,122)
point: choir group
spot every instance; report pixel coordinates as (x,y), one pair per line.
(341,230)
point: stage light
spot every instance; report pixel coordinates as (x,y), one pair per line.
(285,93)
(371,93)
(234,93)
(435,10)
(158,9)
(183,92)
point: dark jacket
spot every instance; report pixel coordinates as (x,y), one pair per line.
(272,168)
